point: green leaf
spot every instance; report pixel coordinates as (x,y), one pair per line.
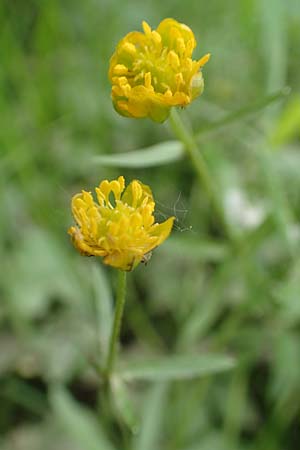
(273,35)
(213,440)
(21,393)
(152,418)
(156,155)
(79,423)
(50,276)
(123,401)
(288,126)
(178,367)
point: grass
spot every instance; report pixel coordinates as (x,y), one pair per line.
(197,296)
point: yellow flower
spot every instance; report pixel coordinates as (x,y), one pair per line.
(152,71)
(120,227)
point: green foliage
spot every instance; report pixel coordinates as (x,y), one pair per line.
(80,424)
(198,297)
(177,367)
(156,155)
(288,126)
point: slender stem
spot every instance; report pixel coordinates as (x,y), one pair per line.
(114,338)
(200,166)
(229,118)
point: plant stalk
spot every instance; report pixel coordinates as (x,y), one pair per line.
(115,334)
(188,140)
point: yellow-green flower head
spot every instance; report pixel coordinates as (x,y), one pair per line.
(120,226)
(152,71)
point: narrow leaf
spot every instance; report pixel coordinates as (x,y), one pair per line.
(152,418)
(178,367)
(79,423)
(122,398)
(274,41)
(156,155)
(288,126)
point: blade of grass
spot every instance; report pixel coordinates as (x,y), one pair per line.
(156,155)
(274,41)
(78,422)
(152,418)
(178,367)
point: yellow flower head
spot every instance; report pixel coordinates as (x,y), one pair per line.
(154,70)
(120,226)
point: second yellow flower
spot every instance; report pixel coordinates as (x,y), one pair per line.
(120,227)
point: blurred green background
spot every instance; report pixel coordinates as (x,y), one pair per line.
(196,296)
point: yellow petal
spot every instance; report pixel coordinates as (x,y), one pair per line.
(170,30)
(162,230)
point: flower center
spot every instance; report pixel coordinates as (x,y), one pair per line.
(152,69)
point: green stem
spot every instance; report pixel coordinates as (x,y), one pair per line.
(186,137)
(114,338)
(230,118)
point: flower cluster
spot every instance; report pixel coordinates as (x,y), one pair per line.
(152,71)
(120,227)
